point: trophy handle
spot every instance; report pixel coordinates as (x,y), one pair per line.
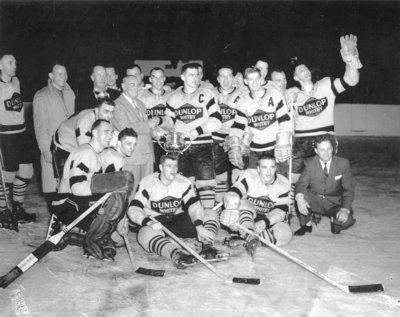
(187,145)
(162,145)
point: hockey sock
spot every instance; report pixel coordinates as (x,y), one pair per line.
(246,220)
(3,203)
(207,196)
(19,188)
(222,187)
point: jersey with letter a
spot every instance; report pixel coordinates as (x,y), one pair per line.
(264,197)
(263,118)
(196,111)
(227,104)
(154,198)
(314,110)
(12,118)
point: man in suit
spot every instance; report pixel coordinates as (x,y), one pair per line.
(130,112)
(326,187)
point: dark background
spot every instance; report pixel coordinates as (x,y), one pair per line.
(85,33)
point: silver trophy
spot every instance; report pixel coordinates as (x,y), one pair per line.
(174,143)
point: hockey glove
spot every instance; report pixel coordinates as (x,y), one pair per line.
(349,51)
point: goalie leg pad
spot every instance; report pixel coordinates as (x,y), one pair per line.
(112,182)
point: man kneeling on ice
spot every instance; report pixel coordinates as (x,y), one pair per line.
(259,202)
(82,185)
(172,200)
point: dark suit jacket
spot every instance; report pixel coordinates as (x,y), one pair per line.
(126,116)
(86,99)
(339,186)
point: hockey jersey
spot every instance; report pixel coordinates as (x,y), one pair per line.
(313,111)
(12,119)
(76,130)
(111,160)
(264,197)
(264,118)
(197,111)
(79,169)
(227,104)
(154,198)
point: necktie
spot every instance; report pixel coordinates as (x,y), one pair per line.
(325,170)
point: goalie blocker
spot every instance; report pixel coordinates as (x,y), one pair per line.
(101,224)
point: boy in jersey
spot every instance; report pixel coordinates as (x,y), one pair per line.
(259,202)
(113,158)
(314,103)
(196,114)
(18,168)
(155,100)
(261,114)
(172,200)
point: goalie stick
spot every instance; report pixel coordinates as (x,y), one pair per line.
(138,269)
(243,280)
(347,289)
(45,247)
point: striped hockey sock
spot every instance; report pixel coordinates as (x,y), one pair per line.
(19,188)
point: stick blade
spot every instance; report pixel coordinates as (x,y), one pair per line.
(10,277)
(151,272)
(244,280)
(366,288)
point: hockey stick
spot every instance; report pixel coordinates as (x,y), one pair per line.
(347,289)
(3,183)
(243,280)
(138,269)
(45,247)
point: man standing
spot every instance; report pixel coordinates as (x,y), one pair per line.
(18,169)
(130,112)
(259,202)
(81,185)
(113,90)
(326,187)
(51,105)
(172,200)
(261,114)
(314,103)
(88,99)
(155,100)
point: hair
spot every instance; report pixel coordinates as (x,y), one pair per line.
(127,132)
(266,156)
(165,157)
(157,68)
(276,70)
(227,67)
(97,123)
(251,70)
(321,138)
(135,66)
(52,64)
(262,59)
(189,66)
(111,66)
(95,67)
(106,101)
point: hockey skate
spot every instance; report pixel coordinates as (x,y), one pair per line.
(250,244)
(233,241)
(182,260)
(22,215)
(8,220)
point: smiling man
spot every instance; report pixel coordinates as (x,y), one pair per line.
(259,202)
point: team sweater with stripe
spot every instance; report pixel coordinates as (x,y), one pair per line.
(111,160)
(197,112)
(156,199)
(12,119)
(313,111)
(264,118)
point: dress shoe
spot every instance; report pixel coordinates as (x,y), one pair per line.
(303,230)
(337,226)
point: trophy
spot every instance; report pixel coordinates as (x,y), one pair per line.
(174,143)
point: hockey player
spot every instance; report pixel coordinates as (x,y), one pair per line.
(155,100)
(262,66)
(261,114)
(259,201)
(113,158)
(81,184)
(196,114)
(171,198)
(18,169)
(75,131)
(314,103)
(227,97)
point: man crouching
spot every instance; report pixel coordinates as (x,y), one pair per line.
(259,202)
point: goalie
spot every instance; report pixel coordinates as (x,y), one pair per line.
(259,202)
(81,185)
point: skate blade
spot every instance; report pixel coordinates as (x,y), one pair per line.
(220,259)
